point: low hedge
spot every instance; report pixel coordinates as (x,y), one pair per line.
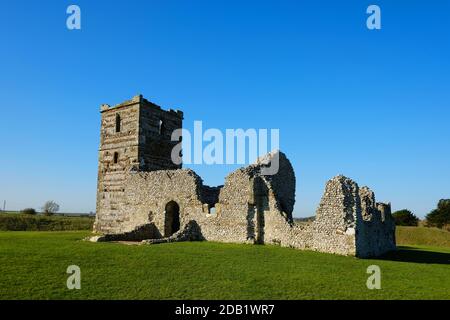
(24,222)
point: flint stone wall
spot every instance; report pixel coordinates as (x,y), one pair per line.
(253,208)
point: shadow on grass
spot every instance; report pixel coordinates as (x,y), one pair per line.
(417,255)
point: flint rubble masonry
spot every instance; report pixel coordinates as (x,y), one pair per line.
(143,196)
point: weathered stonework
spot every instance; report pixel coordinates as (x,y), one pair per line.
(143,196)
(135,135)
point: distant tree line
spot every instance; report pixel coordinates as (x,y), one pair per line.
(405,218)
(439,217)
(49,208)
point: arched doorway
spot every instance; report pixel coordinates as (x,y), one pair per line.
(172,219)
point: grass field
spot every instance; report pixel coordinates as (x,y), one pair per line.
(33,266)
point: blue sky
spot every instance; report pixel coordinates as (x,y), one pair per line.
(372,105)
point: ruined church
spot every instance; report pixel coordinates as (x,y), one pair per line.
(143,196)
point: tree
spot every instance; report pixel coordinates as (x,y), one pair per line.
(405,218)
(30,211)
(50,208)
(440,216)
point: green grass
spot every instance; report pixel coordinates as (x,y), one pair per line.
(423,236)
(33,266)
(24,222)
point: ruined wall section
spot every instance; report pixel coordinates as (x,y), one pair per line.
(274,198)
(388,236)
(282,184)
(348,222)
(254,207)
(230,222)
(334,228)
(375,227)
(148,193)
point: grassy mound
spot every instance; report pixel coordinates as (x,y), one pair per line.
(24,222)
(33,266)
(423,236)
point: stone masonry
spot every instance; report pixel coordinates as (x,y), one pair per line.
(143,196)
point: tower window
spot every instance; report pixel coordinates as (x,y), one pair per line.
(118,122)
(161,127)
(116,157)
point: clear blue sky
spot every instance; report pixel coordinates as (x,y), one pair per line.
(372,105)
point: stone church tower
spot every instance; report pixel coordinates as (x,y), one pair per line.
(135,135)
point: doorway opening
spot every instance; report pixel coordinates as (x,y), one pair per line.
(172,219)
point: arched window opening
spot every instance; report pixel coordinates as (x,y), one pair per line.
(212,210)
(118,123)
(116,157)
(161,127)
